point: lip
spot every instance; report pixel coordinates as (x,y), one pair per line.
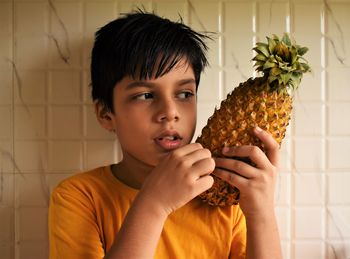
(168,140)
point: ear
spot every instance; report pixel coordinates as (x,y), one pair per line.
(104,116)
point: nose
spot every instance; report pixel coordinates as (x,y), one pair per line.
(167,111)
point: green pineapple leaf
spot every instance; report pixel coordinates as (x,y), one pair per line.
(286,40)
(280,61)
(262,48)
(302,51)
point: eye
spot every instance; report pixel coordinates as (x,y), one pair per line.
(143,96)
(185,95)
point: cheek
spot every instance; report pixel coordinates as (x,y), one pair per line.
(130,122)
(190,112)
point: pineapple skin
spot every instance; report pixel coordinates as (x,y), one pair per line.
(250,104)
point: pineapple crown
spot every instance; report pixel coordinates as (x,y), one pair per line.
(279,61)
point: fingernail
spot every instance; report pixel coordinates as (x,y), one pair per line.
(258,129)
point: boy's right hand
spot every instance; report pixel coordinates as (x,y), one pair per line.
(182,175)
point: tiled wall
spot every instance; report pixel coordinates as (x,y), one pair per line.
(48,130)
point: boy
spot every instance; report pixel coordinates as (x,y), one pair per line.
(145,72)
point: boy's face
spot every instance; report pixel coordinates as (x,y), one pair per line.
(154,116)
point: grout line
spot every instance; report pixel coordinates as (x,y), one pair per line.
(15,214)
(222,88)
(324,132)
(289,13)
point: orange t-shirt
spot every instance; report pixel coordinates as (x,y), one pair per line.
(87,210)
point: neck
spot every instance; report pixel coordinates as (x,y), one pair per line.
(131,171)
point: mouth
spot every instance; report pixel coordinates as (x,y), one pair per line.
(169,140)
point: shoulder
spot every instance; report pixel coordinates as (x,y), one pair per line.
(83,182)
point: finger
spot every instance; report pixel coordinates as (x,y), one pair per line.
(203,167)
(198,154)
(254,153)
(270,144)
(187,149)
(236,166)
(204,183)
(195,157)
(232,178)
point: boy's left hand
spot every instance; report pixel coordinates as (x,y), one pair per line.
(256,183)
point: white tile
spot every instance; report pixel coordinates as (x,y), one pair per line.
(285,163)
(6,47)
(308,222)
(32,190)
(339,18)
(204,16)
(70,15)
(213,53)
(54,179)
(92,128)
(338,153)
(8,163)
(209,87)
(65,87)
(84,144)
(7,190)
(310,12)
(32,224)
(171,10)
(338,188)
(7,250)
(271,18)
(129,6)
(309,250)
(309,119)
(6,116)
(36,58)
(285,245)
(6,17)
(6,87)
(86,86)
(7,225)
(33,250)
(237,18)
(310,88)
(32,88)
(65,122)
(234,75)
(31,18)
(283,188)
(30,156)
(336,54)
(238,53)
(308,154)
(30,122)
(309,188)
(86,48)
(204,111)
(99,153)
(97,14)
(338,84)
(65,50)
(283,220)
(337,124)
(65,156)
(338,223)
(337,249)
(315,53)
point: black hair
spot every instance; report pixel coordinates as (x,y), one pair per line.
(142,45)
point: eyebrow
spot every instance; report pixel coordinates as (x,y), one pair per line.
(151,85)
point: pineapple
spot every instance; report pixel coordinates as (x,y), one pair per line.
(264,101)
